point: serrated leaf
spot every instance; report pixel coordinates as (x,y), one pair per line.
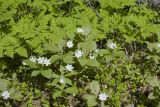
(9,52)
(91,100)
(151,46)
(52,47)
(22,51)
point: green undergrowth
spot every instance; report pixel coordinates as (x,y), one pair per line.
(79,53)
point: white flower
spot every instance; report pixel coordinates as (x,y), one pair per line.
(91,56)
(40,60)
(69,67)
(158,45)
(84,30)
(32,58)
(47,61)
(112,45)
(70,44)
(78,53)
(61,80)
(44,61)
(80,30)
(103,96)
(5,94)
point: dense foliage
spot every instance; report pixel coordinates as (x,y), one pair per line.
(79,53)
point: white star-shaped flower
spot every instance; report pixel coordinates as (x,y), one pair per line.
(43,61)
(112,45)
(91,56)
(69,67)
(32,58)
(78,53)
(158,45)
(47,61)
(103,96)
(70,44)
(40,60)
(5,94)
(61,80)
(80,30)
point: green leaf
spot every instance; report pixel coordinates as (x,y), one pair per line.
(22,51)
(120,54)
(151,96)
(55,75)
(91,100)
(62,87)
(95,87)
(52,47)
(151,46)
(54,58)
(88,46)
(103,52)
(71,90)
(61,44)
(68,81)
(102,104)
(24,104)
(54,82)
(35,73)
(68,58)
(30,63)
(14,76)
(92,62)
(17,95)
(4,84)
(71,74)
(9,52)
(109,58)
(83,61)
(57,94)
(153,81)
(46,73)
